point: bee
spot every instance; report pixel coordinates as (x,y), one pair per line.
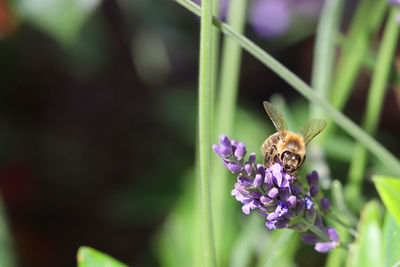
(287,147)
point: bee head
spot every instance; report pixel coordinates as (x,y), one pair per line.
(290,161)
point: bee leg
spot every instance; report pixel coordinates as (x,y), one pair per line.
(277,158)
(269,156)
(267,160)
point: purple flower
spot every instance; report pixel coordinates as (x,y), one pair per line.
(248,202)
(225,148)
(252,158)
(273,193)
(326,246)
(292,200)
(310,239)
(312,178)
(277,195)
(322,246)
(270,18)
(277,224)
(258,180)
(309,203)
(240,151)
(233,167)
(325,205)
(313,190)
(281,209)
(300,205)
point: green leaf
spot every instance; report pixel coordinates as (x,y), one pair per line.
(89,257)
(62,18)
(391,240)
(368,249)
(389,190)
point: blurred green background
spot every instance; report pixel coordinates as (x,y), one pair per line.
(98,117)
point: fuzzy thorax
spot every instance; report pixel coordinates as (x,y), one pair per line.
(292,142)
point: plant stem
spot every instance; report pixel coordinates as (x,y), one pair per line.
(376,95)
(351,230)
(316,230)
(324,51)
(223,211)
(205,97)
(367,20)
(380,152)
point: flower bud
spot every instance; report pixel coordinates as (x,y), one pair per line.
(292,200)
(312,178)
(313,190)
(333,235)
(284,193)
(248,168)
(240,151)
(244,181)
(225,148)
(309,239)
(258,180)
(265,200)
(234,144)
(300,205)
(273,193)
(255,195)
(234,167)
(310,214)
(261,170)
(268,180)
(252,158)
(325,205)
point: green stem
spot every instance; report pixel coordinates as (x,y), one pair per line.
(351,230)
(376,95)
(316,230)
(324,51)
(223,212)
(367,20)
(381,153)
(205,97)
(214,63)
(323,62)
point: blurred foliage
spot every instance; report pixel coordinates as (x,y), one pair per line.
(89,257)
(61,19)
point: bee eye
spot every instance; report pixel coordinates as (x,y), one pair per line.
(298,158)
(285,154)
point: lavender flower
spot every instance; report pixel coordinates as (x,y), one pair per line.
(322,246)
(270,18)
(278,196)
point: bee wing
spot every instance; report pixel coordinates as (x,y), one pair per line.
(312,128)
(276,118)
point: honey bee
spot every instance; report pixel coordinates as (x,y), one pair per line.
(287,147)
